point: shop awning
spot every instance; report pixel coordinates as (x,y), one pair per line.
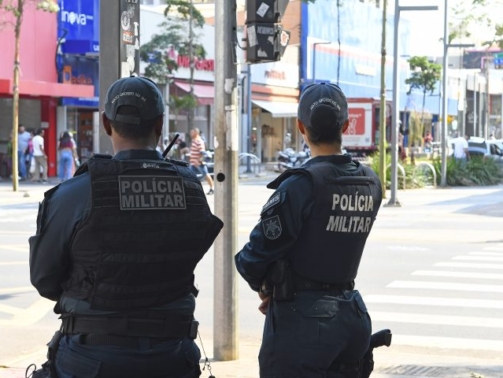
(204,92)
(278,109)
(46,88)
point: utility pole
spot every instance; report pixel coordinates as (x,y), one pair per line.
(225,331)
(190,114)
(382,121)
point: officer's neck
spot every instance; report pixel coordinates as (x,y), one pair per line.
(123,144)
(325,149)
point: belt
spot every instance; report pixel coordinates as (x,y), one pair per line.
(302,284)
(94,339)
(171,327)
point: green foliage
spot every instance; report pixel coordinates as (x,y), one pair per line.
(186,11)
(476,171)
(424,75)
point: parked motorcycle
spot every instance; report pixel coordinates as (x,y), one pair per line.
(290,159)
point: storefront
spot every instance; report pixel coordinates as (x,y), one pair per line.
(39,89)
(78,64)
(274,100)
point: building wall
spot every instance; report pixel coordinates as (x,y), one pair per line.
(37,45)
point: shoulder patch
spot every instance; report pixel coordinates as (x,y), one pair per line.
(273,201)
(272,227)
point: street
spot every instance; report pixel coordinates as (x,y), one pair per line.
(432,272)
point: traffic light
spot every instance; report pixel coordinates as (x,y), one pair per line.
(266,39)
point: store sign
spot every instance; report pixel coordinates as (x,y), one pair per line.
(78,26)
(277,74)
(79,70)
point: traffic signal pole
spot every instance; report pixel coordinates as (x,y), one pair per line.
(225,299)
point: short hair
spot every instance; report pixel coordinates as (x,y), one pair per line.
(131,131)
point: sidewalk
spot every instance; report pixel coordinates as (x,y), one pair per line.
(393,362)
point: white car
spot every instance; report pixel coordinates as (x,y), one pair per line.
(490,148)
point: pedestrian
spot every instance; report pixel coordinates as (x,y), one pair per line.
(303,255)
(40,156)
(115,248)
(67,155)
(23,139)
(197,152)
(460,147)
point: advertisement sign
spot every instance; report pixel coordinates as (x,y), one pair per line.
(81,70)
(129,37)
(78,26)
(359,132)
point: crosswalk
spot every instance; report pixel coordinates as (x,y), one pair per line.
(455,304)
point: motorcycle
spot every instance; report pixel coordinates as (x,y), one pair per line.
(290,159)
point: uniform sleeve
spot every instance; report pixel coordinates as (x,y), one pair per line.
(280,224)
(61,210)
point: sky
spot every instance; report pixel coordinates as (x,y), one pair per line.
(427,27)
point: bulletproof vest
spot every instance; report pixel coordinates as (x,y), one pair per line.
(331,243)
(148,227)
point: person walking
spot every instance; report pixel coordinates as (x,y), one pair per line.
(23,140)
(67,153)
(460,146)
(115,248)
(197,150)
(303,255)
(40,156)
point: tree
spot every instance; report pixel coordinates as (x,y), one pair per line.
(177,34)
(476,19)
(425,76)
(17,8)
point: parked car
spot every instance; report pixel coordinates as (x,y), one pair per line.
(492,149)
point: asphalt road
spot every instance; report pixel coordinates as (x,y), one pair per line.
(432,272)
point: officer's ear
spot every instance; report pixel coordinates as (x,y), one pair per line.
(106,124)
(301,127)
(345,126)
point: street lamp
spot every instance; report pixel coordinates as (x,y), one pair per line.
(313,69)
(396,111)
(443,170)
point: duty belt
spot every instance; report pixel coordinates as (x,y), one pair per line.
(171,327)
(302,284)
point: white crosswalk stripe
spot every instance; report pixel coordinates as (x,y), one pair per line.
(434,301)
(463,293)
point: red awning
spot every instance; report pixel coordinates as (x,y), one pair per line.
(204,92)
(45,88)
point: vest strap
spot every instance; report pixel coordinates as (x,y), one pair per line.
(168,327)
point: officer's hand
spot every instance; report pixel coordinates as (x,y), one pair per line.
(265,303)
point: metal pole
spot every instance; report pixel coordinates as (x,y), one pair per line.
(313,68)
(488,102)
(396,112)
(225,311)
(248,117)
(382,121)
(475,106)
(109,62)
(443,178)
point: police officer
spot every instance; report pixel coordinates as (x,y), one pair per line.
(303,255)
(115,247)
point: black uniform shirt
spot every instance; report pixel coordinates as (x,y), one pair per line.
(281,222)
(63,209)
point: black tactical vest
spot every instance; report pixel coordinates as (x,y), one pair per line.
(331,243)
(149,226)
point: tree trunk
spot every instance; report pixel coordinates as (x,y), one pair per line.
(190,114)
(15,93)
(339,40)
